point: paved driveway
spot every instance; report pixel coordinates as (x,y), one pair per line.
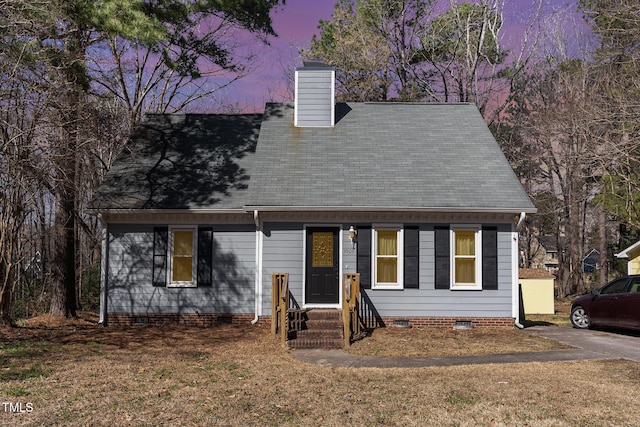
(597,343)
(588,344)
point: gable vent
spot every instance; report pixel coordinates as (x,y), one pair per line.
(315,95)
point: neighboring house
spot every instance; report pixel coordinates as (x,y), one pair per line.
(537,291)
(200,210)
(546,254)
(632,253)
(591,262)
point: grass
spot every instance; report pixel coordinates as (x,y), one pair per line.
(441,342)
(559,318)
(242,376)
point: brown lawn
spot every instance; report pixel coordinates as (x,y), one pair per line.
(78,373)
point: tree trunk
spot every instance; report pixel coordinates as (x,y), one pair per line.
(5,296)
(603,273)
(575,236)
(64,297)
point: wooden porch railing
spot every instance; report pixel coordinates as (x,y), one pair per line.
(354,327)
(279,303)
(286,316)
(358,314)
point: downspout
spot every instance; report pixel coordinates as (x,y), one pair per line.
(515,276)
(258,269)
(104,268)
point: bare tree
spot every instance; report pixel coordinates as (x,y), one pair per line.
(20,172)
(57,38)
(372,44)
(617,58)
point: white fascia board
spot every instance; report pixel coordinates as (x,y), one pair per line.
(515,211)
(172,211)
(146,215)
(625,253)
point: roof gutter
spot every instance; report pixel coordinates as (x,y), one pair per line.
(252,209)
(439,209)
(119,211)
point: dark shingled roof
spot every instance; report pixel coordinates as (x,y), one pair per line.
(385,155)
(438,157)
(180,161)
(549,243)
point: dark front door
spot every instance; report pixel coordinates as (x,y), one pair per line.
(321,281)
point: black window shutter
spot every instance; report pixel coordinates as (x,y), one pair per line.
(442,254)
(411,257)
(160,246)
(490,258)
(363,265)
(205,257)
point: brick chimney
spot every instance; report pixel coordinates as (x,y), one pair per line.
(315,95)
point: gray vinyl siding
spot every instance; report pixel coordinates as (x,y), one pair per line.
(130,290)
(431,302)
(283,252)
(129,274)
(315,101)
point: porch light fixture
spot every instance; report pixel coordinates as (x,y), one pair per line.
(352,236)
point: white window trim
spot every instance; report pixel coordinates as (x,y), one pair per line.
(194,261)
(478,250)
(374,261)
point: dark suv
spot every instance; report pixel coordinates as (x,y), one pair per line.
(616,304)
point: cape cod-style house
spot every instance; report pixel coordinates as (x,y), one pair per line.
(201,212)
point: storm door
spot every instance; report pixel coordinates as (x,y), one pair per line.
(321,281)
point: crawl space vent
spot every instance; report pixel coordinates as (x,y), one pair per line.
(401,323)
(463,324)
(225,319)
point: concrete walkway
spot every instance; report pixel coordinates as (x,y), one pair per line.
(587,344)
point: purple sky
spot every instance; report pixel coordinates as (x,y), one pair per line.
(297,22)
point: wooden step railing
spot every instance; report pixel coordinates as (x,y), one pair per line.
(358,314)
(286,314)
(354,328)
(279,304)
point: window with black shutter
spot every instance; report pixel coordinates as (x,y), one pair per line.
(466,258)
(442,254)
(182,256)
(489,258)
(411,257)
(160,246)
(205,257)
(363,262)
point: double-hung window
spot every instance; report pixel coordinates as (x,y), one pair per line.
(182,256)
(466,252)
(388,253)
